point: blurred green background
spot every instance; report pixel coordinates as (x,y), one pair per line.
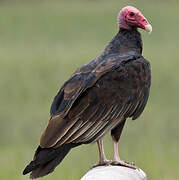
(43,42)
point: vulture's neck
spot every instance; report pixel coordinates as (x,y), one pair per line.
(125,42)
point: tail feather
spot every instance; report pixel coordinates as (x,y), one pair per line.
(46,159)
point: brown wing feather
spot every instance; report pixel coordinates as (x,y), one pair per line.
(55,130)
(113,91)
(84,78)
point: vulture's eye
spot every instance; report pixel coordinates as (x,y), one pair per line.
(131,14)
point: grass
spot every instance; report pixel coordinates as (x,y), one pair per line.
(42,43)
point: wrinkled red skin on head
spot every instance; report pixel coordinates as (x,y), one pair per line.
(137,20)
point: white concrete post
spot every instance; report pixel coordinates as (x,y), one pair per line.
(114,173)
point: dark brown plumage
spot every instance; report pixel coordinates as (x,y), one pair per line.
(97,98)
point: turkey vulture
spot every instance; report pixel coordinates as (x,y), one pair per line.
(98,97)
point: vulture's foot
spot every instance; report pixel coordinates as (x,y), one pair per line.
(103,163)
(124,163)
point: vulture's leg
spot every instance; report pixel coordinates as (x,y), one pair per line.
(102,158)
(116,134)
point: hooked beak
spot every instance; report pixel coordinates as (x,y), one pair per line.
(148,28)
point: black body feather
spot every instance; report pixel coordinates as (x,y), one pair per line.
(46,159)
(97,98)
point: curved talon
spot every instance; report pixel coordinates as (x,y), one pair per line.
(130,163)
(104,163)
(124,163)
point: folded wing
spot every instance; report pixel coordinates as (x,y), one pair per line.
(79,115)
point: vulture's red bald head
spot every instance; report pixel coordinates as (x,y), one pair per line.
(130,17)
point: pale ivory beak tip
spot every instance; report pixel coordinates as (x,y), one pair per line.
(148,28)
